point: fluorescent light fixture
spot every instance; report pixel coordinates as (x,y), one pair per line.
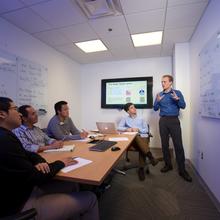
(91,46)
(147,39)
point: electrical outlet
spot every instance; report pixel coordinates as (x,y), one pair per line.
(201,156)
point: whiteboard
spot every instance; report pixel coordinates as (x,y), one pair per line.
(210,78)
(23,81)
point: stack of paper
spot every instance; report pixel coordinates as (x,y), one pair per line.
(63,149)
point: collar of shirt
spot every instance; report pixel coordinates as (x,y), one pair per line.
(24,127)
(169,92)
(133,116)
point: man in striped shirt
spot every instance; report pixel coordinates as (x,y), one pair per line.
(32,137)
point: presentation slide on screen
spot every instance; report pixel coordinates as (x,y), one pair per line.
(123,92)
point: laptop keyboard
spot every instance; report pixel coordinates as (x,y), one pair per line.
(102,145)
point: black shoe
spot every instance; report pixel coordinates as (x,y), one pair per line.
(166,168)
(184,174)
(154,161)
(141,174)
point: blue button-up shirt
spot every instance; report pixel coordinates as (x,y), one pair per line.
(169,106)
(32,138)
(136,122)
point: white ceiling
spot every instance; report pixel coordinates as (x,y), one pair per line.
(59,23)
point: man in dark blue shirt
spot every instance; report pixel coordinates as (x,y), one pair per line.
(169,101)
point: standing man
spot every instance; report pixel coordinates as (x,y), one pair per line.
(33,138)
(169,101)
(61,126)
(133,123)
(26,178)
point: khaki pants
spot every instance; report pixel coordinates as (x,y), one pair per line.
(141,144)
(57,200)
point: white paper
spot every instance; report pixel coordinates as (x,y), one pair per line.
(81,162)
(83,140)
(118,139)
(130,132)
(63,149)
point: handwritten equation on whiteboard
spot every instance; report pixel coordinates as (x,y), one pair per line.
(210,78)
(23,81)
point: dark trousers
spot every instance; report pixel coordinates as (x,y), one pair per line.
(170,126)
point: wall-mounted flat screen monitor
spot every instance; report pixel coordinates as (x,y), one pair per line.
(117,92)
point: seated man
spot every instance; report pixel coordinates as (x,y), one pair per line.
(132,123)
(33,138)
(61,126)
(24,175)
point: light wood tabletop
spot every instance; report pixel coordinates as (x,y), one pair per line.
(102,162)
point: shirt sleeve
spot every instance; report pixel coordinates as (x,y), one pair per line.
(122,125)
(26,142)
(181,102)
(156,105)
(144,128)
(21,164)
(47,139)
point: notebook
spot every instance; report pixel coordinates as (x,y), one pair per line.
(106,127)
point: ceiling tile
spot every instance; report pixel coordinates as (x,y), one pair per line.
(167,50)
(117,24)
(178,35)
(53,37)
(120,42)
(33,2)
(60,13)
(183,2)
(146,21)
(25,18)
(134,6)
(125,53)
(184,15)
(148,51)
(6,5)
(79,32)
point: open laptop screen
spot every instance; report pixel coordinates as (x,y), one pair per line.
(106,127)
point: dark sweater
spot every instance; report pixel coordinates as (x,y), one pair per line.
(18,174)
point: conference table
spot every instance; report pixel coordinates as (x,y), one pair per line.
(102,162)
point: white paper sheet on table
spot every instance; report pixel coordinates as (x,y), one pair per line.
(118,139)
(81,162)
(129,132)
(63,149)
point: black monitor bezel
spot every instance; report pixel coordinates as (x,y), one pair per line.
(149,104)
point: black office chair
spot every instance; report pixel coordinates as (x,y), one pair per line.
(25,215)
(132,148)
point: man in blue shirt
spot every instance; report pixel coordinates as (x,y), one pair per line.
(169,101)
(132,123)
(32,137)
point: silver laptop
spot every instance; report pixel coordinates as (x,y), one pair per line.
(106,127)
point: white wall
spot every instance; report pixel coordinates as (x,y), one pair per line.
(182,82)
(91,89)
(63,73)
(205,131)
